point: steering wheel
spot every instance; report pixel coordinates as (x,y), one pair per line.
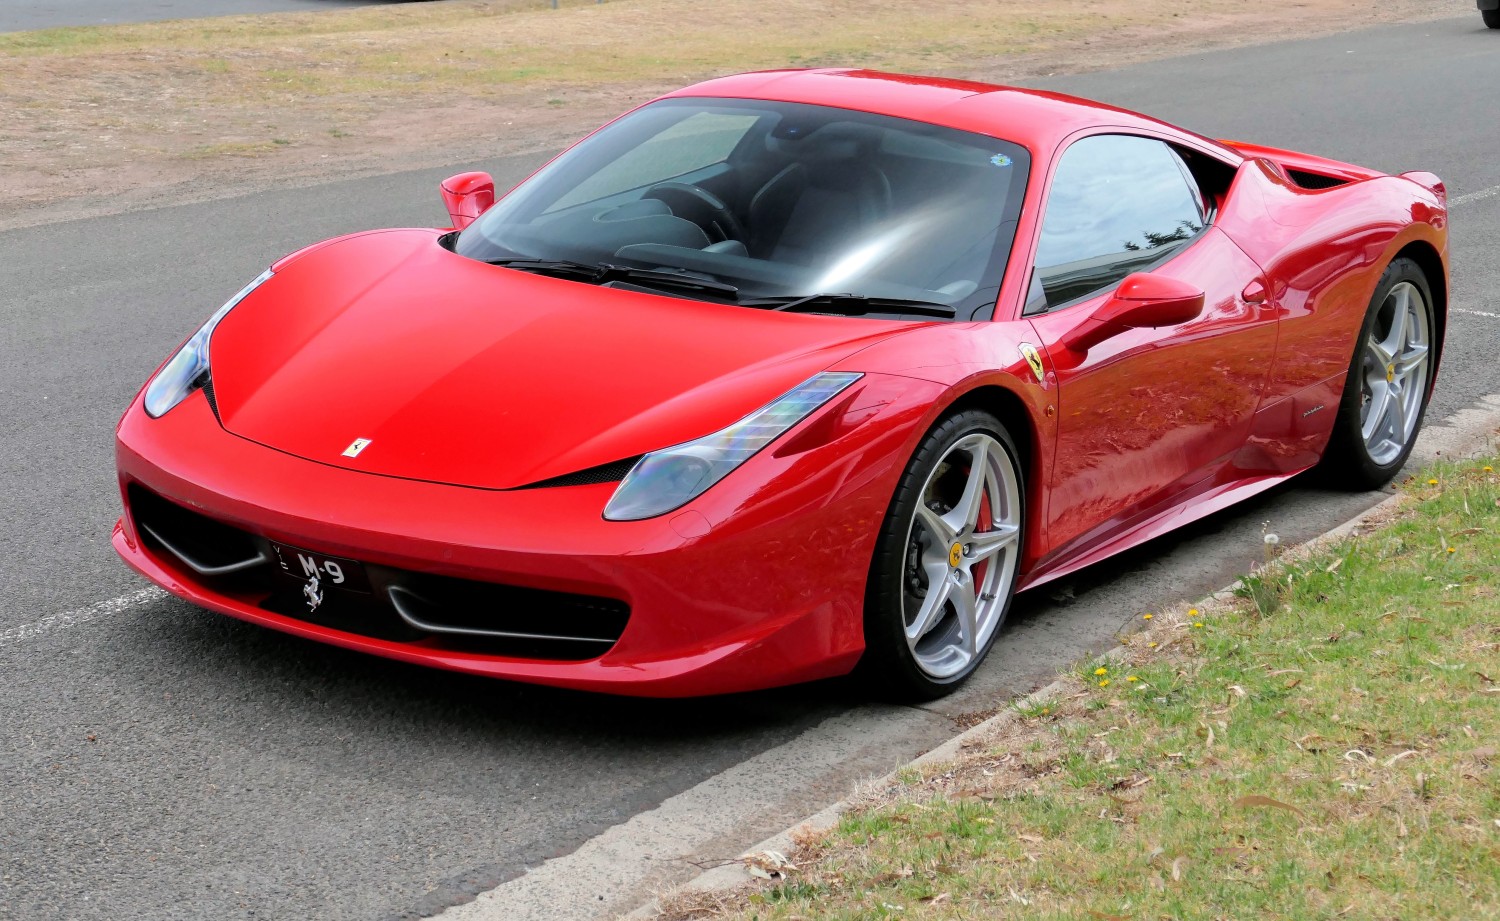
(700,206)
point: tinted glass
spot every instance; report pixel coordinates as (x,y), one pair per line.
(1117,205)
(702,139)
(822,201)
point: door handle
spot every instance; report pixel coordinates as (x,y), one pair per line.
(1254,293)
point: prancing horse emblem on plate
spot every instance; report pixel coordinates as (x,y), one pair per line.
(313,592)
(1034,358)
(359,445)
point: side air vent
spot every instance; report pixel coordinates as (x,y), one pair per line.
(1314,180)
(208,393)
(604,473)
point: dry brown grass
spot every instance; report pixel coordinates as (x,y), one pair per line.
(122,115)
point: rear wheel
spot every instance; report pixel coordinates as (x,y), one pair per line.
(946,562)
(1491,18)
(1389,382)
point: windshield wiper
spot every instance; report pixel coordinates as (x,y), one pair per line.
(852,305)
(600,272)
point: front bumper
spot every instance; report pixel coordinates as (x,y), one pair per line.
(758,583)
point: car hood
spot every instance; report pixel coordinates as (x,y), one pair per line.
(459,372)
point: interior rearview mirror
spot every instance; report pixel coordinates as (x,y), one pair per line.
(467,196)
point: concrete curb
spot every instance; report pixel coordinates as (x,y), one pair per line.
(1467,433)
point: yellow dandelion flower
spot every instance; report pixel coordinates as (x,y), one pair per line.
(1151,645)
(1146,616)
(1198,625)
(1452,549)
(1432,482)
(1132,679)
(1489,469)
(1101,670)
(1104,683)
(1192,612)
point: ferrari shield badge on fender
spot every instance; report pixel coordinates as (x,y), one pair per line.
(359,445)
(1034,358)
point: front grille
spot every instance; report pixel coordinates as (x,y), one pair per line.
(205,546)
(421,609)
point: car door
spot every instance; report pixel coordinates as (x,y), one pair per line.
(1146,416)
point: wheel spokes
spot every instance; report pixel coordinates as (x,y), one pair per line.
(966,606)
(1378,408)
(961,539)
(1395,368)
(1395,338)
(965,512)
(985,544)
(935,524)
(930,614)
(1398,412)
(1412,359)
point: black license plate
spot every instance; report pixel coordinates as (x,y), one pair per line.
(331,571)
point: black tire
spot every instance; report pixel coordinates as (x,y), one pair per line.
(888,667)
(1491,18)
(1347,463)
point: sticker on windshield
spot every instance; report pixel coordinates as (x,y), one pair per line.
(1000,160)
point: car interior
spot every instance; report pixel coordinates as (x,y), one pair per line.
(802,201)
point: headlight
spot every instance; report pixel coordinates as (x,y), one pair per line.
(188,369)
(670,478)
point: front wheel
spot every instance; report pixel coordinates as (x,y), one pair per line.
(1389,382)
(1491,18)
(946,560)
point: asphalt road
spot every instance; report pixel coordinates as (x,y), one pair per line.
(159,761)
(21,15)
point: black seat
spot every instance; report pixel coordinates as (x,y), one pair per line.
(831,191)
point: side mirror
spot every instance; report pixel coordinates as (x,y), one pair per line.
(1141,300)
(466,196)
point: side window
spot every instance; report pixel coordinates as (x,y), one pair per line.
(1117,205)
(702,139)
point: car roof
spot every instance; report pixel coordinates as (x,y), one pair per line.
(1036,119)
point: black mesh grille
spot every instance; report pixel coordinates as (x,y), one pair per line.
(208,392)
(604,473)
(1314,180)
(401,605)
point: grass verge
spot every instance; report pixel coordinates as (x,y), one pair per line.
(94,111)
(1322,746)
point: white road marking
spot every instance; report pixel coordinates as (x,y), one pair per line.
(62,620)
(1482,194)
(1476,313)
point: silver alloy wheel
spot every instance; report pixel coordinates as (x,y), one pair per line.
(1394,385)
(962,554)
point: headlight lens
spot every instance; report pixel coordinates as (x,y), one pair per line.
(670,478)
(188,369)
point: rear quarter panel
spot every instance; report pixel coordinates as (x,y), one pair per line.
(1323,252)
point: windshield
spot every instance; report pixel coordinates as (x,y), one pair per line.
(773,200)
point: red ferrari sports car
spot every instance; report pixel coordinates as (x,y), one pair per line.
(780,375)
